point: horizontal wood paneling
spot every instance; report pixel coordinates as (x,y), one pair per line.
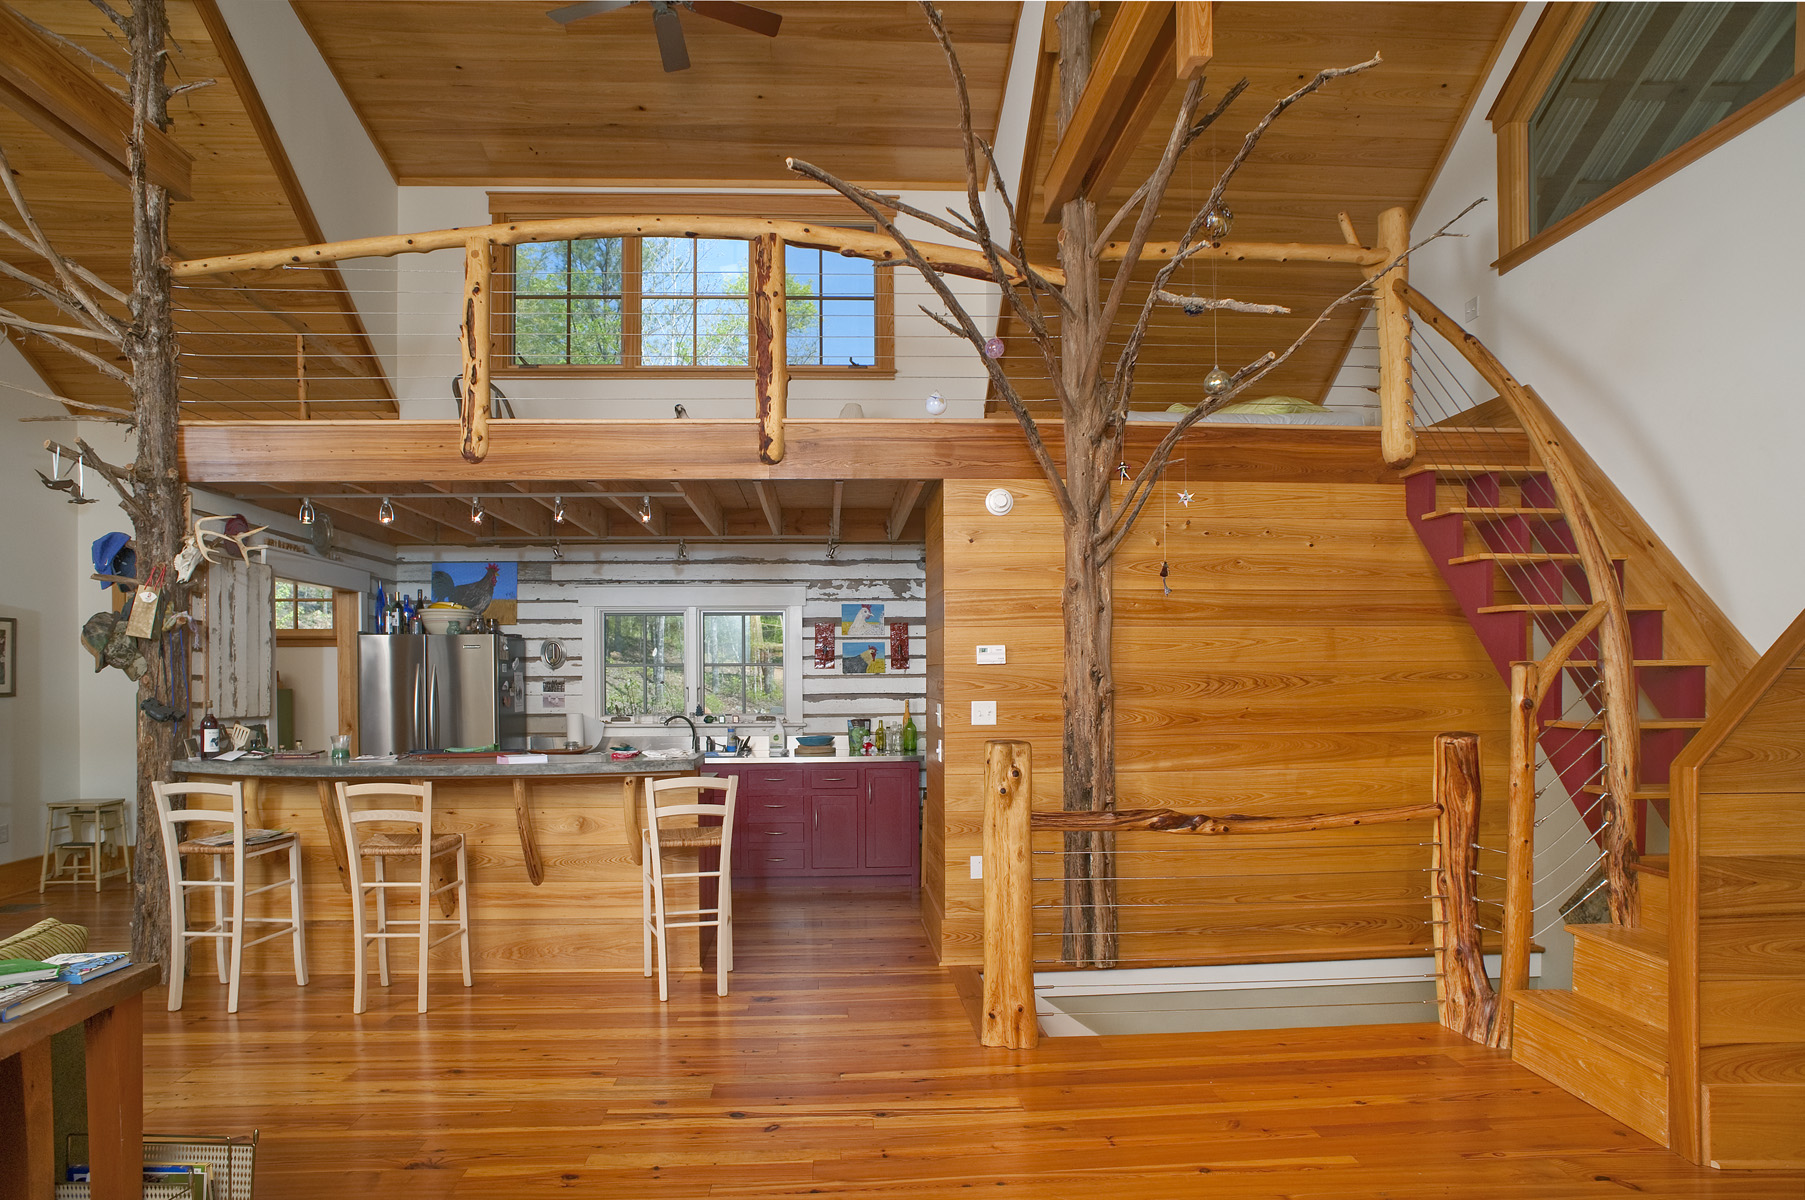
(1304,661)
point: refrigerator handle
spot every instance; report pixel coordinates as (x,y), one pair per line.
(421,700)
(432,708)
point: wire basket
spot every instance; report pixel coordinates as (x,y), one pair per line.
(189,1166)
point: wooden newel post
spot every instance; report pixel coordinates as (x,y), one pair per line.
(1009,1019)
(473,340)
(1397,431)
(770,344)
(1519,848)
(1463,993)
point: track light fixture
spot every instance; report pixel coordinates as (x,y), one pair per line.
(306,511)
(476,510)
(386,512)
(682,551)
(833,550)
(645,510)
(558,510)
(557,552)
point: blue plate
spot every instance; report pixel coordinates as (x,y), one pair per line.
(816,739)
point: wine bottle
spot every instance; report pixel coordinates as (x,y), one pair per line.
(910,735)
(209,736)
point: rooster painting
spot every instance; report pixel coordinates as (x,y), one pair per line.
(492,593)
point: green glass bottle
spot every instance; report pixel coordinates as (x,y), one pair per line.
(882,738)
(909,734)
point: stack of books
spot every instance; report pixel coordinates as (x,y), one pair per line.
(79,968)
(26,985)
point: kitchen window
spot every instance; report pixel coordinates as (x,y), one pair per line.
(678,306)
(304,613)
(731,649)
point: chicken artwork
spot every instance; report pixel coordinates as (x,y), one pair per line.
(487,589)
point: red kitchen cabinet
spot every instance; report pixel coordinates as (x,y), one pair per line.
(827,820)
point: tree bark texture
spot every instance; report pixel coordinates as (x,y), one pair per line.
(159,520)
(1464,995)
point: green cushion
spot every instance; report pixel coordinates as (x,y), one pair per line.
(48,936)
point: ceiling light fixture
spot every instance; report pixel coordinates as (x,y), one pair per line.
(833,549)
(306,511)
(557,552)
(476,510)
(386,512)
(645,510)
(558,509)
(682,551)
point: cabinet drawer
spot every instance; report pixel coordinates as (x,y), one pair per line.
(771,806)
(765,834)
(768,781)
(832,778)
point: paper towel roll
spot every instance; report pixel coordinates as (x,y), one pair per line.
(574,728)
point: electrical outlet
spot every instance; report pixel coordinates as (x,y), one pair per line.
(977,866)
(983,712)
(552,685)
(1472,308)
(6,834)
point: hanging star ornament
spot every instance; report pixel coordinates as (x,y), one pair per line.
(1185,498)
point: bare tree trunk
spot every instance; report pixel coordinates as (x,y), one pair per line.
(159,522)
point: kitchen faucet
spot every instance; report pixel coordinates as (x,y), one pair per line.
(695,738)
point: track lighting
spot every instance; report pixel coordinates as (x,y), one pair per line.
(645,510)
(306,511)
(682,551)
(558,510)
(833,549)
(386,512)
(476,510)
(557,552)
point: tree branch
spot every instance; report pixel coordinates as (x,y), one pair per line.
(15,321)
(100,364)
(70,281)
(1198,305)
(1140,193)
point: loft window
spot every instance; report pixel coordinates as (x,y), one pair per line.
(1608,99)
(677,304)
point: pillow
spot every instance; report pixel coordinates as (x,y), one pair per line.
(48,936)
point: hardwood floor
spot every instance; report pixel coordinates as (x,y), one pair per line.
(844,1063)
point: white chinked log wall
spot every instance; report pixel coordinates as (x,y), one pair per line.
(556,599)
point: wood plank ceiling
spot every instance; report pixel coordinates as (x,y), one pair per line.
(495,92)
(243,199)
(1361,145)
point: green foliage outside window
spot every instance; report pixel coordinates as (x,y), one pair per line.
(642,662)
(303,605)
(742,662)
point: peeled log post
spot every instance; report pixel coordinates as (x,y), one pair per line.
(1009,1019)
(1464,996)
(1397,434)
(770,344)
(1519,848)
(473,339)
(1170,820)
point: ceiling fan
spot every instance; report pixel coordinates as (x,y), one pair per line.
(669,28)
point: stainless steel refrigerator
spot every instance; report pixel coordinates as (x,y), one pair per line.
(422,691)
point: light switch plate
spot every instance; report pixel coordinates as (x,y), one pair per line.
(983,712)
(977,866)
(992,655)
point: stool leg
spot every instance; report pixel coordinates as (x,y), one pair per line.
(96,845)
(220,917)
(425,910)
(359,942)
(294,912)
(49,842)
(178,934)
(645,909)
(382,922)
(237,934)
(464,910)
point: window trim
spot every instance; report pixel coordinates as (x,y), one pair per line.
(508,207)
(1522,92)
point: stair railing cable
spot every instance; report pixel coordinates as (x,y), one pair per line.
(1605,624)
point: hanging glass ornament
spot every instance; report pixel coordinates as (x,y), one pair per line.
(1216,381)
(994,347)
(1218,222)
(936,405)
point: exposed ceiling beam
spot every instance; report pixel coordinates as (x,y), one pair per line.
(45,86)
(833,522)
(1125,69)
(767,500)
(707,509)
(899,512)
(1196,37)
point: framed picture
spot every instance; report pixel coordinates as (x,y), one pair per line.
(9,656)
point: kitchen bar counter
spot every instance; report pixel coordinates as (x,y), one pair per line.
(475,766)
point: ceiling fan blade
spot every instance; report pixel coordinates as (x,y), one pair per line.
(671,47)
(758,20)
(588,8)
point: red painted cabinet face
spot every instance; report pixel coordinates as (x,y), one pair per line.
(834,839)
(892,819)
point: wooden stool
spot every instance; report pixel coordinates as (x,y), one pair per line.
(227,930)
(380,846)
(108,817)
(675,826)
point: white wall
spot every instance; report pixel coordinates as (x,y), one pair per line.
(1664,334)
(107,700)
(40,543)
(311,674)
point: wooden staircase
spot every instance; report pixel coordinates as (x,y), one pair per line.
(1507,553)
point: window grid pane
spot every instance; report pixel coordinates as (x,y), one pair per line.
(742,669)
(642,662)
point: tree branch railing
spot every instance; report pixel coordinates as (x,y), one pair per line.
(1465,1001)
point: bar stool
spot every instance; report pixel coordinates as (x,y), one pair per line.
(382,845)
(680,827)
(108,823)
(241,845)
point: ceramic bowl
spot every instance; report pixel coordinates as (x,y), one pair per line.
(440,620)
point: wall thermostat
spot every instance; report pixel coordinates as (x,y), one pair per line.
(999,501)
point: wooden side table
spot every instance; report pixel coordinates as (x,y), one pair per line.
(112,1009)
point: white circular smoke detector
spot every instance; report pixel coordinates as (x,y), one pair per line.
(999,501)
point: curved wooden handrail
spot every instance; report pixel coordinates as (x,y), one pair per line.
(1617,671)
(1170,820)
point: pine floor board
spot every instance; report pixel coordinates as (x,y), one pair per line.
(844,1063)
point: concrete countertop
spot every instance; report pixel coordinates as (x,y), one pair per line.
(728,760)
(481,766)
